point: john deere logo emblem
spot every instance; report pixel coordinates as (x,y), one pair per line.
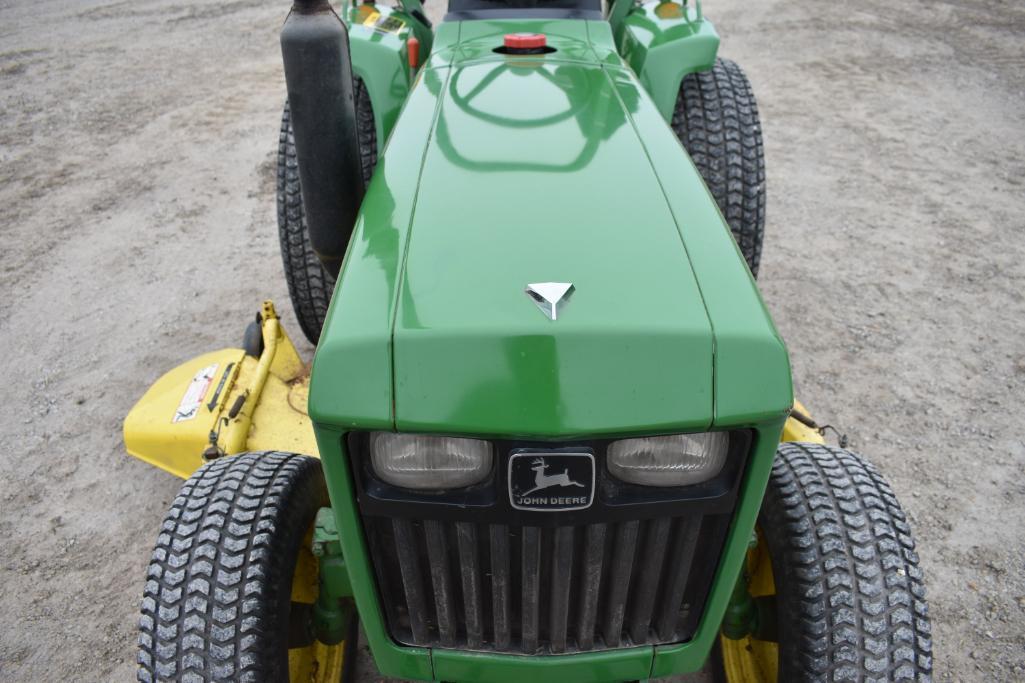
(548,296)
(551,481)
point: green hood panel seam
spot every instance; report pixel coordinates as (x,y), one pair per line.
(405,247)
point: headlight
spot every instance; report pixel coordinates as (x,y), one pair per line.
(676,460)
(418,461)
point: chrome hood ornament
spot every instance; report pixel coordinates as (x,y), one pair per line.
(548,296)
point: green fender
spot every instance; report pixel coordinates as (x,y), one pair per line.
(662,42)
(378,43)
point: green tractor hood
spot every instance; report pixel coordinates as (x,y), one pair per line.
(509,170)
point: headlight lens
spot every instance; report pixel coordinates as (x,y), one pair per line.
(676,460)
(419,461)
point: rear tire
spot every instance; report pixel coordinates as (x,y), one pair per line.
(309,285)
(850,599)
(716,119)
(217,603)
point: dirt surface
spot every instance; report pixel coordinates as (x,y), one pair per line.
(137,143)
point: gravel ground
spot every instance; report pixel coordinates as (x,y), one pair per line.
(137,144)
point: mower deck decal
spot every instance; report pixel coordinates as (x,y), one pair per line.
(193,397)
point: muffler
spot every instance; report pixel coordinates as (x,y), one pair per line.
(318,76)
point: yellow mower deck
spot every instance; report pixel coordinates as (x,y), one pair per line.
(223,403)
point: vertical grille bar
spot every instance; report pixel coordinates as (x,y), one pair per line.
(656,539)
(466,536)
(562,573)
(531,589)
(409,564)
(540,591)
(437,555)
(500,580)
(684,543)
(619,581)
(590,584)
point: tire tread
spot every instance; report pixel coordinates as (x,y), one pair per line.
(215,605)
(716,119)
(851,596)
(309,285)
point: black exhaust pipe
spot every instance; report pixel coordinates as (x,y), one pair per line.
(318,75)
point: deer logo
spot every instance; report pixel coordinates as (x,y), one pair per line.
(544,481)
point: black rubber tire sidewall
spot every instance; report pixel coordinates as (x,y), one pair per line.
(850,597)
(218,591)
(309,285)
(716,119)
(252,339)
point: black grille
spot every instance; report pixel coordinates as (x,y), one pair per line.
(534,590)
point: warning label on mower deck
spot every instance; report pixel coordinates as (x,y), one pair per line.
(193,397)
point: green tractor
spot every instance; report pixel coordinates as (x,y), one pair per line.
(549,433)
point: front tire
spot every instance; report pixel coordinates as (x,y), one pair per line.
(218,603)
(848,593)
(716,119)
